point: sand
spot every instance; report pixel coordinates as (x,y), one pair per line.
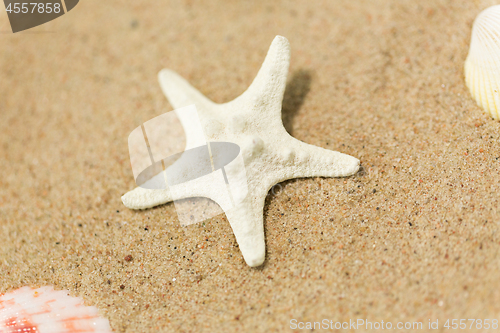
(411,237)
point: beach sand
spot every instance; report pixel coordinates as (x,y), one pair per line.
(412,237)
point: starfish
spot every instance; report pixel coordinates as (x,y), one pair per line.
(271,155)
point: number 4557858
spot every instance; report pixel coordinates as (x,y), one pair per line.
(471,323)
(35,8)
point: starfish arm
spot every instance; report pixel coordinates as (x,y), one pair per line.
(211,186)
(268,87)
(142,198)
(247,222)
(305,160)
(180,93)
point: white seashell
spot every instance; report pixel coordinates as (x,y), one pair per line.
(482,66)
(45,310)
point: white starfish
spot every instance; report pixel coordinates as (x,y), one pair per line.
(271,155)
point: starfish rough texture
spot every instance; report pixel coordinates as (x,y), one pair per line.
(252,121)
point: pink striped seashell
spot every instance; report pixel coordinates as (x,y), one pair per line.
(44,310)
